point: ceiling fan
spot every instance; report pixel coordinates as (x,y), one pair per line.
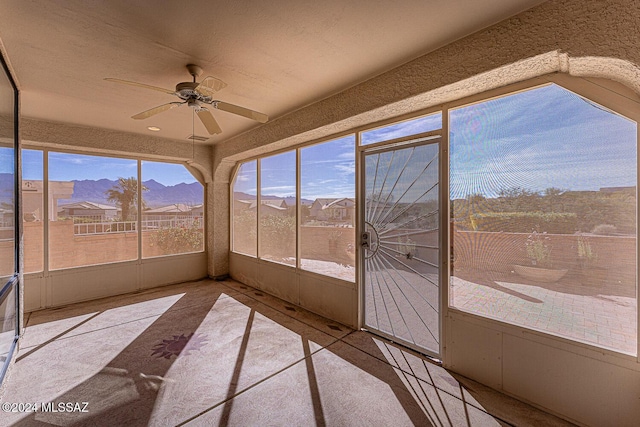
(196,94)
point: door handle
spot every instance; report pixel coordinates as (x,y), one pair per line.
(365,239)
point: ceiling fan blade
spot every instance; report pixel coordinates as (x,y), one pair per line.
(126,82)
(241,111)
(208,121)
(156,110)
(210,85)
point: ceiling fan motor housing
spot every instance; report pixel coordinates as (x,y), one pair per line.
(186,91)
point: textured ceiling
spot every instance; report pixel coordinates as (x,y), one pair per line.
(275,56)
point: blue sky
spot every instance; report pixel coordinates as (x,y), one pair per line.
(540,138)
(409,127)
(278,174)
(246,178)
(67,167)
(328,170)
(536,139)
(6,160)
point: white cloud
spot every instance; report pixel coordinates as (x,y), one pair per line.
(349,155)
(346,168)
(279,190)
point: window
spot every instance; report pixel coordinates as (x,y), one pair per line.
(33,210)
(543,205)
(406,128)
(9,247)
(92,210)
(8,325)
(173,210)
(326,214)
(277,208)
(7,213)
(328,208)
(244,211)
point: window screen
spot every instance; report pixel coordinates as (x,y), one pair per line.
(543,206)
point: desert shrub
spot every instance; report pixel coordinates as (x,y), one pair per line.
(245,230)
(604,229)
(539,249)
(175,240)
(245,223)
(276,235)
(525,222)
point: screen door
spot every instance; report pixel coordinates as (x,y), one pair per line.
(400,239)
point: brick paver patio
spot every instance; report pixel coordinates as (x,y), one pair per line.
(603,315)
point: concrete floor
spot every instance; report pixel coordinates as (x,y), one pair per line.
(221,353)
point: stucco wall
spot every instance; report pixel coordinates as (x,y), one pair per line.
(583,38)
(498,252)
(76,250)
(65,136)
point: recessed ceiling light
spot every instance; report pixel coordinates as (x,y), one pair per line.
(154,128)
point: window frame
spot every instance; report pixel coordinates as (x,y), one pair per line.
(614,96)
(234,175)
(140,212)
(14,281)
(46,149)
(297,150)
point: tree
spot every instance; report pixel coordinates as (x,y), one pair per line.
(553,196)
(518,199)
(305,211)
(125,194)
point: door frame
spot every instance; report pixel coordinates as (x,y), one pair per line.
(439,137)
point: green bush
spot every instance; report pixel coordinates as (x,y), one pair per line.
(176,240)
(525,222)
(245,224)
(277,235)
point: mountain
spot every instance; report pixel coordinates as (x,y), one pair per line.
(90,191)
(157,194)
(289,200)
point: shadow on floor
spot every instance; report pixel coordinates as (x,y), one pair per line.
(574,282)
(212,354)
(123,392)
(447,398)
(490,279)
